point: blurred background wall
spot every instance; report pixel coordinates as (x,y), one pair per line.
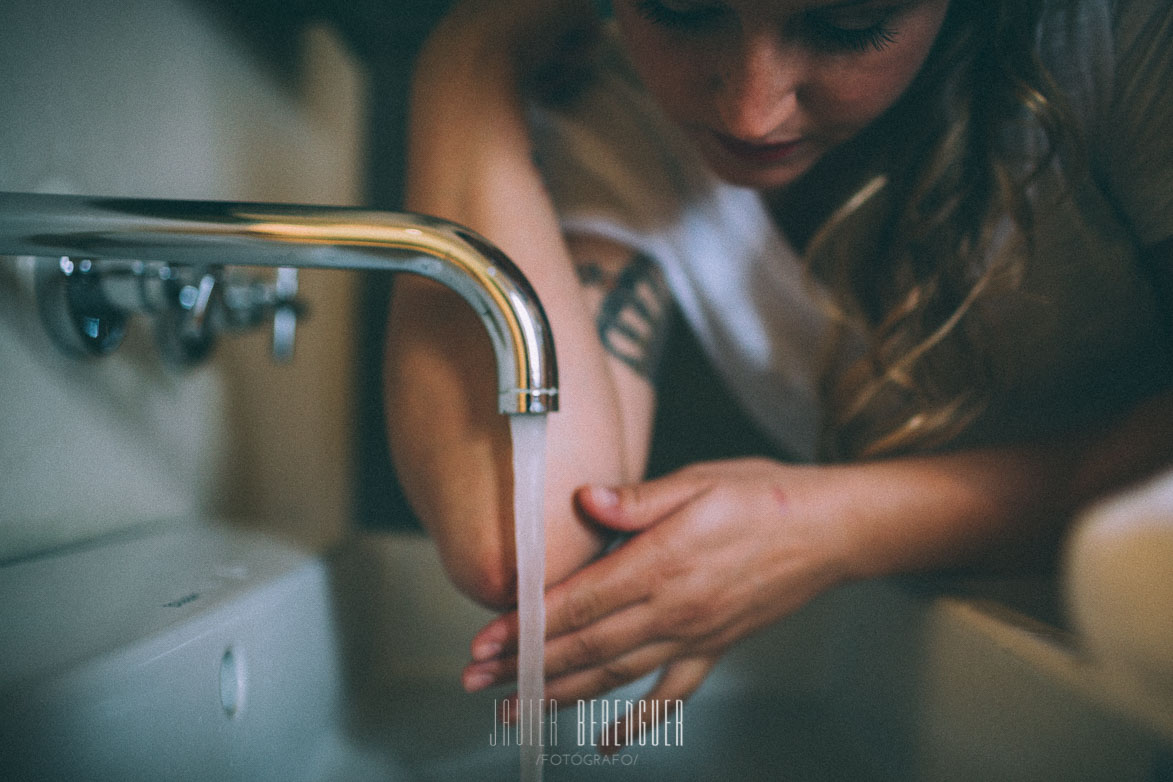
(200,99)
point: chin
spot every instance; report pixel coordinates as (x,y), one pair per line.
(757,176)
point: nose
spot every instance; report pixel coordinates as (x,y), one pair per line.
(756,87)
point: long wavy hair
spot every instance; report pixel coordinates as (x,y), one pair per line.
(949,200)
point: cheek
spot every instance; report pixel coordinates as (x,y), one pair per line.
(854,101)
(852,95)
(853,92)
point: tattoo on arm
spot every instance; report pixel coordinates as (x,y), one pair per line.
(633,318)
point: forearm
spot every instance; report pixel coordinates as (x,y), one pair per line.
(1003,504)
(998,506)
(451,447)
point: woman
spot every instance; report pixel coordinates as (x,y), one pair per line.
(923,242)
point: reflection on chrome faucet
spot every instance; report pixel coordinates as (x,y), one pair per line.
(173,260)
(86,304)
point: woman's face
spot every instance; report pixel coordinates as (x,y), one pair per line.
(766,87)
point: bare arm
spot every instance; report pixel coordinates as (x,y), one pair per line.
(470,161)
(1000,506)
(774,536)
(1004,505)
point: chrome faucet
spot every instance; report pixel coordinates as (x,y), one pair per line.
(116,255)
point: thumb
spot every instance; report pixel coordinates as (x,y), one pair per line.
(636,507)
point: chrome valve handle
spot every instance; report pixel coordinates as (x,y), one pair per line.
(86,305)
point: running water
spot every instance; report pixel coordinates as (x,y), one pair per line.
(529,473)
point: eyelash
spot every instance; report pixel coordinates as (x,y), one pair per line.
(660,14)
(832,38)
(818,32)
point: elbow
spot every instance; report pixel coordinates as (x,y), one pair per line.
(488,577)
(481,562)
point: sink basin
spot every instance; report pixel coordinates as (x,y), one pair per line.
(175,651)
(196,651)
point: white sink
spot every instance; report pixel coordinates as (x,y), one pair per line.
(196,652)
(176,652)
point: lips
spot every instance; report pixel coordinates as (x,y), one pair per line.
(758,154)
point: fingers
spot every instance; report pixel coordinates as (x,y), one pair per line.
(615,581)
(601,678)
(596,660)
(594,646)
(608,675)
(610,584)
(588,684)
(496,638)
(639,506)
(609,639)
(580,632)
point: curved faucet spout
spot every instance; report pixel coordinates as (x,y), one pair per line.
(283,235)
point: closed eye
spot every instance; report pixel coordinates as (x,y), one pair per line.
(686,17)
(826,35)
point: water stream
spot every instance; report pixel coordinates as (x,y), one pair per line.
(529,472)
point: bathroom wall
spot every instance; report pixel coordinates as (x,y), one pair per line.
(172,99)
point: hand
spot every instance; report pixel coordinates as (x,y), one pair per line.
(719,550)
